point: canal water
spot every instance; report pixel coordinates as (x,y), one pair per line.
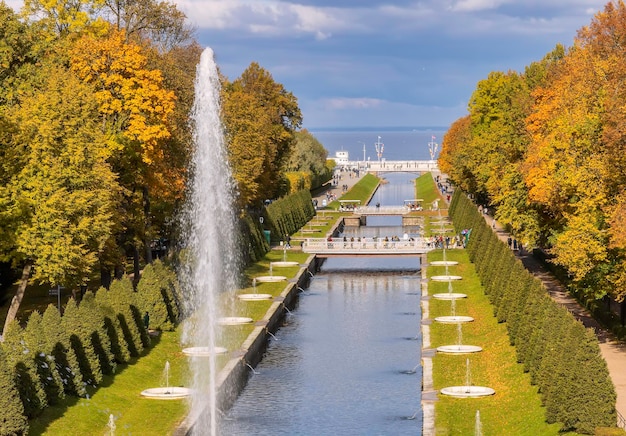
(347,359)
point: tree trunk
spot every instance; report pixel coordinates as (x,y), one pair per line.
(147,225)
(105,277)
(19,295)
(136,266)
(623,311)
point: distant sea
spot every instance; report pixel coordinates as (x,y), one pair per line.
(399,143)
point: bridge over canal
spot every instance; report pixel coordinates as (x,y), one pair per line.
(366,246)
(410,166)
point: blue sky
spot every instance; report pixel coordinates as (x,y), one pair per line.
(374,63)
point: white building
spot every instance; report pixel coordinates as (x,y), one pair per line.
(341,157)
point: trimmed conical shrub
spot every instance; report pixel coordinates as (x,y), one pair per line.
(80,331)
(21,360)
(122,299)
(58,342)
(113,328)
(12,419)
(35,341)
(156,296)
(91,313)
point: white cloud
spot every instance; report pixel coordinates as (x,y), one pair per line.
(342,112)
(477,5)
(342,103)
(270,18)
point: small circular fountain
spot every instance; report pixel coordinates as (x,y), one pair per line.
(449,296)
(459,349)
(453,319)
(443,263)
(203,351)
(254,297)
(467,391)
(234,320)
(167,392)
(269,279)
(445,278)
(285,263)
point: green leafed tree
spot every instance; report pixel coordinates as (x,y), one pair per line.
(260,119)
(66,189)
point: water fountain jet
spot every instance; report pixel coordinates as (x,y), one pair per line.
(459,348)
(467,390)
(254,296)
(210,269)
(166,392)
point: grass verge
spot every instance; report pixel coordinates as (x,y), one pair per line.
(120,395)
(515,409)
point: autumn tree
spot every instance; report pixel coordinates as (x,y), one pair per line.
(62,17)
(309,157)
(134,108)
(260,118)
(159,22)
(65,191)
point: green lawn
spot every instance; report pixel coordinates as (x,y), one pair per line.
(362,190)
(515,409)
(120,395)
(426,190)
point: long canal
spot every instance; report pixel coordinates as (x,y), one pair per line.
(347,359)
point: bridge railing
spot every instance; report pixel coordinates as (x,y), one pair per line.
(381,210)
(396,165)
(366,245)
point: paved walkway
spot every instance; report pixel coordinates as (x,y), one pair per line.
(613,350)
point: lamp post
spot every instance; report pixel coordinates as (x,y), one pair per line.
(380,147)
(361,142)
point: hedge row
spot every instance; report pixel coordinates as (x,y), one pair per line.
(288,214)
(55,356)
(562,356)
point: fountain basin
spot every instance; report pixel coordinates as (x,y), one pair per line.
(168,393)
(459,349)
(449,296)
(284,263)
(445,278)
(443,263)
(234,320)
(255,297)
(267,279)
(203,351)
(467,391)
(453,319)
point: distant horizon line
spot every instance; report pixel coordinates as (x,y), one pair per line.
(377,129)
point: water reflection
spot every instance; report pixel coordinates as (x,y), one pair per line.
(342,364)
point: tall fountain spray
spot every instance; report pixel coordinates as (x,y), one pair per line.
(210,259)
